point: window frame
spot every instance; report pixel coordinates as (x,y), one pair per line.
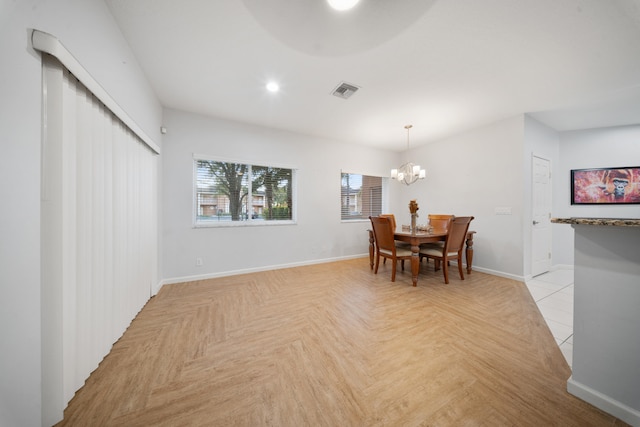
(248,222)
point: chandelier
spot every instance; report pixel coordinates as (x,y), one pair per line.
(408,173)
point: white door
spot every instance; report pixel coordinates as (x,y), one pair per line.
(541,227)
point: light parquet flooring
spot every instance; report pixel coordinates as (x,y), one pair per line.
(335,345)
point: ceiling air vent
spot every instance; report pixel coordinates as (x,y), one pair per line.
(345,90)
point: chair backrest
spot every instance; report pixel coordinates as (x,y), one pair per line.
(457,234)
(392,219)
(440,222)
(383,233)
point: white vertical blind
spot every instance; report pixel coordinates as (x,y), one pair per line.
(106,183)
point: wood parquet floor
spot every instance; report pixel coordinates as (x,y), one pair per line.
(335,345)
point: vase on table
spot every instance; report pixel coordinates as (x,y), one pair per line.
(413,208)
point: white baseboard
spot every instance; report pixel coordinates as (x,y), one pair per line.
(183,279)
(562,267)
(489,271)
(256,269)
(156,288)
(603,402)
(497,273)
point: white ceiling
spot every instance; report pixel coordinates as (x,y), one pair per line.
(445,66)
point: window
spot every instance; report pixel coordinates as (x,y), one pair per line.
(236,193)
(360,196)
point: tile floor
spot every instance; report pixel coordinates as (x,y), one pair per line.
(553,292)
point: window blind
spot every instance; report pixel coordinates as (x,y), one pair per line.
(361,196)
(231,193)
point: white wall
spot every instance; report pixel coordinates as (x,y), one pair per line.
(594,148)
(318,234)
(492,169)
(88,31)
(472,174)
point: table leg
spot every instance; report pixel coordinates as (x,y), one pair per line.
(469,252)
(415,264)
(371,249)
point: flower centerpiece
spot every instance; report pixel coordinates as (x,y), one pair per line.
(413,208)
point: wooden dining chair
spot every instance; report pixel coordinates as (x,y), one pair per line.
(440,221)
(392,219)
(452,249)
(386,245)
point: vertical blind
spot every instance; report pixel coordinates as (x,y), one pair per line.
(99,230)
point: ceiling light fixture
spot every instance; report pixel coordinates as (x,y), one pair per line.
(408,173)
(273,87)
(342,4)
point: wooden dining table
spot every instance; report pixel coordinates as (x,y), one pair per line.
(415,239)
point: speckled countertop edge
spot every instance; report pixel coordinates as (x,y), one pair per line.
(617,222)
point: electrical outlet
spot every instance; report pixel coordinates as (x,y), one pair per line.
(503,211)
(199,262)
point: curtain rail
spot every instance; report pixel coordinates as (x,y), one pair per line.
(47,43)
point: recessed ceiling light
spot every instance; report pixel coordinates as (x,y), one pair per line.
(273,87)
(342,4)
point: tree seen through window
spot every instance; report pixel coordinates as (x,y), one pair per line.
(230,192)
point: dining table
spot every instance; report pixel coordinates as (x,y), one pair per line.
(415,239)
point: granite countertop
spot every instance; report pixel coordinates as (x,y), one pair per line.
(617,222)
